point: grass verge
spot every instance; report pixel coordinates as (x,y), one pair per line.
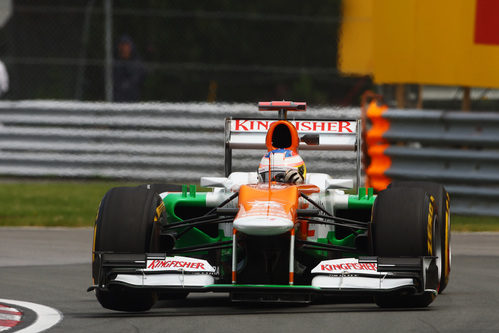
(474,223)
(74,204)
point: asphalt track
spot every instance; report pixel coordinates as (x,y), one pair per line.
(51,267)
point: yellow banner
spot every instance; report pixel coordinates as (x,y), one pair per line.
(444,42)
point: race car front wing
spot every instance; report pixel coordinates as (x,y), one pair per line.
(348,276)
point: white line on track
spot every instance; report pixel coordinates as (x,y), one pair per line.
(46,317)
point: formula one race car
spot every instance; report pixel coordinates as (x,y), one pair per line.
(276,235)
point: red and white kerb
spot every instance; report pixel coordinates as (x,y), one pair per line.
(9,317)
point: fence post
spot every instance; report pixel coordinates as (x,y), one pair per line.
(108,44)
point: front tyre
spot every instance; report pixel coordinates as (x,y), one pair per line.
(405,225)
(442,203)
(124,224)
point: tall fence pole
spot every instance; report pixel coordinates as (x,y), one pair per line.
(108,44)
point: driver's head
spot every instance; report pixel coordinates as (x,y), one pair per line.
(285,166)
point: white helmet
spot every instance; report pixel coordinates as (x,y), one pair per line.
(285,166)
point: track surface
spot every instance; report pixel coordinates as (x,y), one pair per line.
(52,267)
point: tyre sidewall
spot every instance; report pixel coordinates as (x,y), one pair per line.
(404,224)
(442,203)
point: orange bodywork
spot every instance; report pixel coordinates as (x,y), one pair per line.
(276,200)
(295,140)
(271,208)
(272,200)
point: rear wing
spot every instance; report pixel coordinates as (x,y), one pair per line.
(330,134)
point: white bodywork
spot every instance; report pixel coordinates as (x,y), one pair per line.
(166,280)
(172,271)
(263,226)
(266,218)
(331,197)
(331,135)
(350,274)
(236,179)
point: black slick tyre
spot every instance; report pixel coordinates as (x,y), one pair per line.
(404,225)
(124,224)
(442,203)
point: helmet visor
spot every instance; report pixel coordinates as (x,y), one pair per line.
(277,176)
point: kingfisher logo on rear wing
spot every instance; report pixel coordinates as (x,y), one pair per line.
(331,134)
(302,126)
(313,134)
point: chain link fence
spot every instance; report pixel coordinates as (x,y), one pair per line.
(178,51)
(223,51)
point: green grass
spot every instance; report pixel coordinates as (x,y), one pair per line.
(475,223)
(74,204)
(51,203)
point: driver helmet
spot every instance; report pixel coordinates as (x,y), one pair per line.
(281,161)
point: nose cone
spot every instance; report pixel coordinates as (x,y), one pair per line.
(263,225)
(266,210)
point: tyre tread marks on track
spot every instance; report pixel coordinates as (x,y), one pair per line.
(9,317)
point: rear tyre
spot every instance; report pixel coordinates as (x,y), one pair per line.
(442,203)
(125,224)
(404,225)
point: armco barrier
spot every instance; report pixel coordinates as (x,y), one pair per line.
(161,142)
(457,149)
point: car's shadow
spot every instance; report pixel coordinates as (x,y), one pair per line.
(215,305)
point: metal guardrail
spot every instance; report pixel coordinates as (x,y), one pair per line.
(457,149)
(180,142)
(165,142)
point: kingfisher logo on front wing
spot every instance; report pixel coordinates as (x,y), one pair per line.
(178,263)
(302,126)
(347,265)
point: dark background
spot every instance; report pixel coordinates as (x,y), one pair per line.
(221,50)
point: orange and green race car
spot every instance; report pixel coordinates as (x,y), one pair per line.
(279,234)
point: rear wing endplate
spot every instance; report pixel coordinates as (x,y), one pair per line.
(330,134)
